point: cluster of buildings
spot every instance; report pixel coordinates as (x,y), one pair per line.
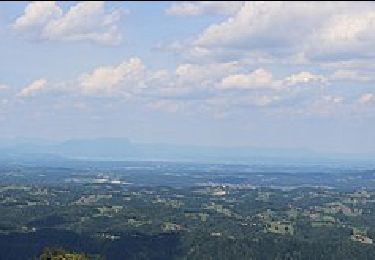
(360,235)
(108,211)
(280,227)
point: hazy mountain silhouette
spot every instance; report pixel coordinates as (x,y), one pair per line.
(123,149)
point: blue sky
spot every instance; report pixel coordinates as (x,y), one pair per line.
(285,75)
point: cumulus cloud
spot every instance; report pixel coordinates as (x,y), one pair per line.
(366,98)
(200,75)
(108,79)
(256,79)
(204,7)
(261,26)
(212,88)
(325,31)
(216,88)
(347,35)
(263,79)
(33,88)
(37,13)
(88,21)
(132,77)
(257,54)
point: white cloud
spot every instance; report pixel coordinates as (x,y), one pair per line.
(344,74)
(348,35)
(131,78)
(262,25)
(33,88)
(37,13)
(366,98)
(202,87)
(303,77)
(84,21)
(263,79)
(189,80)
(113,79)
(204,7)
(198,74)
(256,79)
(3,87)
(324,31)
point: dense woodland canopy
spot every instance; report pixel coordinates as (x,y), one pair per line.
(184,211)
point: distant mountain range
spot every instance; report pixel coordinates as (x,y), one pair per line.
(123,149)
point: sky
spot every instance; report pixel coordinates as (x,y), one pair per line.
(259,74)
